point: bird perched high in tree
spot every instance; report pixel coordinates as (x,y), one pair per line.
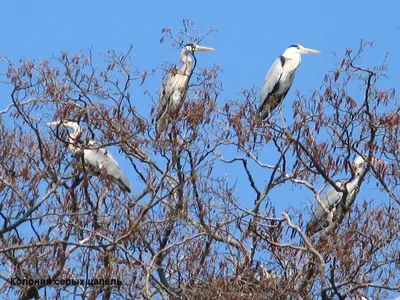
(175,86)
(279,79)
(95,156)
(338,204)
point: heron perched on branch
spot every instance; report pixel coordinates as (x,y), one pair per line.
(95,156)
(279,79)
(175,86)
(337,204)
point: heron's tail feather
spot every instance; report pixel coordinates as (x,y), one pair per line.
(123,184)
(314,226)
(263,112)
(269,105)
(161,125)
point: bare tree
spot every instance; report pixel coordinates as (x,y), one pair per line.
(184,231)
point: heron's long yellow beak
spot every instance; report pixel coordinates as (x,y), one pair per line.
(310,51)
(203,48)
(53,123)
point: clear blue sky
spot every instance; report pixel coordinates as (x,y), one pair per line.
(250,35)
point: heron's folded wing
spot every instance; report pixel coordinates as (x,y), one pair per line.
(164,97)
(330,199)
(100,158)
(271,81)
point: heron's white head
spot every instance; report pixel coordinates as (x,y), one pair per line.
(68,124)
(297,50)
(191,47)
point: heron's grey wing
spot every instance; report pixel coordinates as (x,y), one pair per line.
(165,94)
(331,199)
(100,158)
(271,85)
(164,101)
(172,94)
(345,206)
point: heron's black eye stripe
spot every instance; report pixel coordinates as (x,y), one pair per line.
(191,45)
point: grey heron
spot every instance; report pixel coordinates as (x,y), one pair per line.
(335,203)
(174,87)
(279,79)
(96,157)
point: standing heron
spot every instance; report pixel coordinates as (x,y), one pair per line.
(279,79)
(175,86)
(338,204)
(96,157)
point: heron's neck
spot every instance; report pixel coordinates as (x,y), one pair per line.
(293,58)
(77,132)
(187,62)
(73,139)
(356,180)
